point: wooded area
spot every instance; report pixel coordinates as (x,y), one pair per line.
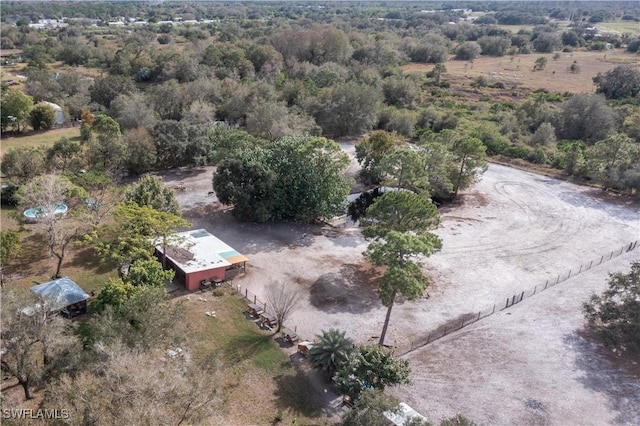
(262,91)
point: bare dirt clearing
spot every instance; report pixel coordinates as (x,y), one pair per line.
(513,230)
(528,365)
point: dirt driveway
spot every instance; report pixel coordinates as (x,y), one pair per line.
(513,230)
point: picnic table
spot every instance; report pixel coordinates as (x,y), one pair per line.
(269,320)
(255,310)
(291,337)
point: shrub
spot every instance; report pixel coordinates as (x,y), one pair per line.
(614,314)
(42,116)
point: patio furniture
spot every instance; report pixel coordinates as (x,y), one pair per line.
(255,310)
(291,337)
(269,320)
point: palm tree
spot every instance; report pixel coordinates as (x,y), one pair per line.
(331,351)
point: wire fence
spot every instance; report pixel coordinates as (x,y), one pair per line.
(252,298)
(470,318)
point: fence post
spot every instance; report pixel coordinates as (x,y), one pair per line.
(246,293)
(545,286)
(479,315)
(534,289)
(569,276)
(255,299)
(611,255)
(494,308)
(590,264)
(558,280)
(522,296)
(580,268)
(513,300)
(507,305)
(601,259)
(445,331)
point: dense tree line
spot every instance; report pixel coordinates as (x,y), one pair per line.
(276,72)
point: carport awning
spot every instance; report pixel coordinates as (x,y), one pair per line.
(233,257)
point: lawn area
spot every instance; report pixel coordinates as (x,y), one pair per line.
(35,265)
(35,139)
(258,377)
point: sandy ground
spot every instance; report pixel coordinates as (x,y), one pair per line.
(512,231)
(528,365)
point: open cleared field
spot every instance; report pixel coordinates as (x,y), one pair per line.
(35,139)
(529,365)
(622,27)
(518,70)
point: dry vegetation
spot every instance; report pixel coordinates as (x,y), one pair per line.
(517,71)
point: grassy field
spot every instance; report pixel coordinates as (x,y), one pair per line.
(517,71)
(256,371)
(35,139)
(621,27)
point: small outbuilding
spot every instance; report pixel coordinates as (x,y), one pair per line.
(62,295)
(200,259)
(59,119)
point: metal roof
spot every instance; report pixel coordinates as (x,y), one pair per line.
(205,252)
(60,293)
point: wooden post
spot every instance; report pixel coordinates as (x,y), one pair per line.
(545,286)
(569,274)
(522,296)
(580,268)
(558,280)
(255,299)
(494,309)
(534,289)
(507,305)
(479,315)
(246,293)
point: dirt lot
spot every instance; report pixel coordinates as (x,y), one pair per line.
(513,230)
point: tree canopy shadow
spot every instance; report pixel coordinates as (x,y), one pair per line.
(608,376)
(295,392)
(248,237)
(348,290)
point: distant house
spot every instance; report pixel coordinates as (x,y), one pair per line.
(62,295)
(201,258)
(59,119)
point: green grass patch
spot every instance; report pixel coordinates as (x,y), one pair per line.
(621,26)
(35,139)
(239,340)
(515,28)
